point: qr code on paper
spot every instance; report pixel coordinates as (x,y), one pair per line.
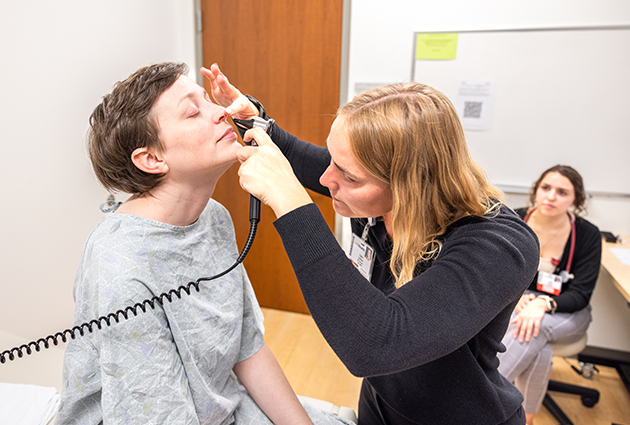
(472,109)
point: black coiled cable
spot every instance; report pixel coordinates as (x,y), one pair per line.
(151,302)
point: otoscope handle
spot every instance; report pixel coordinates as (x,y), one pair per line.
(266,125)
(254,209)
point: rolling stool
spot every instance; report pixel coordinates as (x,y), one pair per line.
(589,396)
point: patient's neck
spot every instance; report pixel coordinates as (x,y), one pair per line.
(177,206)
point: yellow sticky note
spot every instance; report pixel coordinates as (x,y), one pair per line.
(436,46)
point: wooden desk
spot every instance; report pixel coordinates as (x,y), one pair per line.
(619,271)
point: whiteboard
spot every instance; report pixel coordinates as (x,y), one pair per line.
(562,96)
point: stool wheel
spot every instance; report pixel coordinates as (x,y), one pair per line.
(589,401)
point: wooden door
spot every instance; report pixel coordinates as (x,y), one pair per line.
(286,54)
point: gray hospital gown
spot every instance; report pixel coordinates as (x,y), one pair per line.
(173,364)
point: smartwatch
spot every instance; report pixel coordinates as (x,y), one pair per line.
(551,303)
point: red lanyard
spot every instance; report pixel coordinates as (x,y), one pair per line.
(572,247)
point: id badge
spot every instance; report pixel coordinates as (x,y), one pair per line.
(362,256)
(549,283)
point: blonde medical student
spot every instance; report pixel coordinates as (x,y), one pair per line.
(423,319)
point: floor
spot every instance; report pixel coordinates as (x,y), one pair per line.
(614,402)
(309,363)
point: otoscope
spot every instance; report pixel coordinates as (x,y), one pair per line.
(267,126)
(254,218)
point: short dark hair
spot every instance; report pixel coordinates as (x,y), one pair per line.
(124,122)
(574,177)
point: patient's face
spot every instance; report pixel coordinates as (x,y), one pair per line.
(198,140)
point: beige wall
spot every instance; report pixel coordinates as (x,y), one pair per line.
(58,59)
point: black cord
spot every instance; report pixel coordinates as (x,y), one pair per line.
(254,218)
(151,302)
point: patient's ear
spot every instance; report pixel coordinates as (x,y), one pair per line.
(149,161)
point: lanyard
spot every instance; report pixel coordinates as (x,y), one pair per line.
(572,246)
(370,223)
(361,253)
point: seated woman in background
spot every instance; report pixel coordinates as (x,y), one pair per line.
(556,305)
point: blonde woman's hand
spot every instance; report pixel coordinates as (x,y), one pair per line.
(225,94)
(527,321)
(267,174)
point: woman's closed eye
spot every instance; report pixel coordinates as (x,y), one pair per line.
(348,178)
(192,112)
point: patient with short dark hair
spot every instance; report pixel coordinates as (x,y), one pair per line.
(200,359)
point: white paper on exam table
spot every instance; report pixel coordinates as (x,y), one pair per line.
(22,404)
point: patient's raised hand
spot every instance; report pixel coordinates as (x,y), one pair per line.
(225,94)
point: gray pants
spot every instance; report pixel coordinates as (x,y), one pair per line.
(528,364)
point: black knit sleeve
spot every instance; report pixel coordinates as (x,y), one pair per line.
(309,161)
(482,269)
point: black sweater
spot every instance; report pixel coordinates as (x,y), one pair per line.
(428,348)
(576,293)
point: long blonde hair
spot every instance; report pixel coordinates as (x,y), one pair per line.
(409,136)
